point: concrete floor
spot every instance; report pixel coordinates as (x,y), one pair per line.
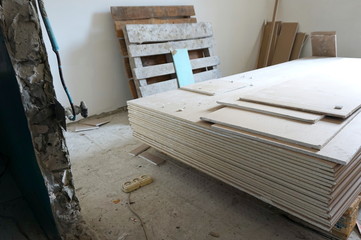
(181,203)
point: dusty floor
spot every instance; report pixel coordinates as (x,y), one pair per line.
(180,204)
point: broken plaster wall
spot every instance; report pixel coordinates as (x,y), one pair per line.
(20,24)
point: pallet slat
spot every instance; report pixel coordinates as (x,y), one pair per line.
(143,12)
(168,68)
(164,48)
(120,24)
(142,33)
(172,84)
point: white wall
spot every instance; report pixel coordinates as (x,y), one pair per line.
(92,63)
(327,15)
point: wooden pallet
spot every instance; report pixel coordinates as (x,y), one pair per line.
(148,41)
(150,15)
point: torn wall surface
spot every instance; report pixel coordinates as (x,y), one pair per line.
(23,38)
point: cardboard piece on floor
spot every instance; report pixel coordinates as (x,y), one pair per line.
(139,150)
(183,67)
(285,42)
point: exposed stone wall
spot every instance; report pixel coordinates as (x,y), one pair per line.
(21,28)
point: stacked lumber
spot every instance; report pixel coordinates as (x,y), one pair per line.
(305,162)
(281,42)
(151,62)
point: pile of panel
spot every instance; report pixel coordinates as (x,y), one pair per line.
(304,162)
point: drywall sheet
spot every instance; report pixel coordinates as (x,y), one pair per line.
(334,93)
(273,111)
(215,86)
(305,134)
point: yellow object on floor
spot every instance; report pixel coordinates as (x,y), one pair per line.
(130,186)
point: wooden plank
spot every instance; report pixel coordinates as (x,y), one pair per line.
(127,67)
(151,158)
(273,111)
(182,66)
(138,150)
(143,12)
(136,50)
(285,43)
(269,43)
(298,45)
(168,68)
(141,33)
(120,24)
(309,135)
(267,29)
(274,42)
(123,47)
(215,86)
(324,44)
(133,89)
(266,35)
(168,85)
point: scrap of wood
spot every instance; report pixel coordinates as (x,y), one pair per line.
(269,41)
(324,44)
(298,45)
(83,128)
(132,88)
(151,158)
(95,122)
(267,28)
(285,43)
(274,42)
(139,150)
(143,12)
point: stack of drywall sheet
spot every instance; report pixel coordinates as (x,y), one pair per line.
(312,172)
